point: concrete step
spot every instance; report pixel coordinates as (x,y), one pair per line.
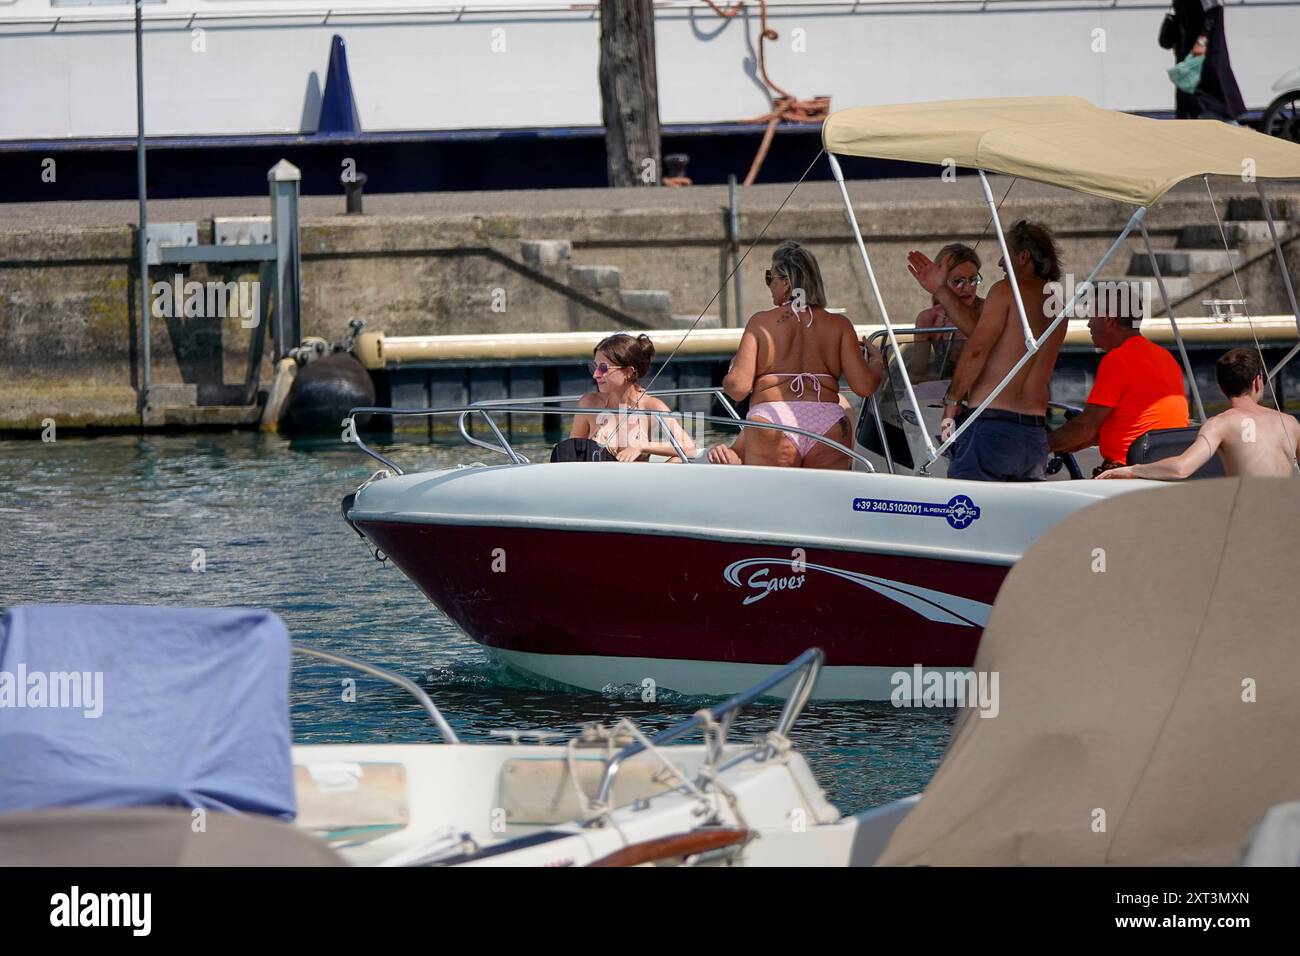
(540,253)
(1206,236)
(1237,233)
(1249,207)
(1185,262)
(595,277)
(1176,286)
(648,304)
(1256,230)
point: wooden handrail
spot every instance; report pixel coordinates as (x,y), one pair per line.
(677,844)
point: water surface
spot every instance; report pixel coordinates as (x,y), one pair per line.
(118,520)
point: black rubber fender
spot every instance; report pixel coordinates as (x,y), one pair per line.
(323,393)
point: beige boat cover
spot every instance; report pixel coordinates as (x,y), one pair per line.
(1159,698)
(1061,140)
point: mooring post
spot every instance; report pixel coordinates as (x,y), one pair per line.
(724,269)
(146,361)
(285,179)
(733,225)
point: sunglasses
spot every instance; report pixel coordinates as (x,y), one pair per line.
(768,276)
(973,282)
(603,368)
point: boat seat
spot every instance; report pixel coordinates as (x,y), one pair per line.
(1160,443)
(539,791)
(346,803)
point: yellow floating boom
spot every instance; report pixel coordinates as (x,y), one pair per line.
(375,350)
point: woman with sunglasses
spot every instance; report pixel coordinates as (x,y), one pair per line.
(790,362)
(617,364)
(931,357)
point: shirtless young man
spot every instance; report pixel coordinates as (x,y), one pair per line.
(1008,442)
(789,364)
(1253,441)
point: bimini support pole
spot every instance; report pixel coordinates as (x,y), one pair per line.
(1173,322)
(1061,316)
(1030,344)
(142,250)
(880,302)
(1286,277)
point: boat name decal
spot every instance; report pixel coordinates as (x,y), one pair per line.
(959,511)
(762,585)
(765,576)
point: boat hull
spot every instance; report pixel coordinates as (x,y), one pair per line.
(674,578)
(686,601)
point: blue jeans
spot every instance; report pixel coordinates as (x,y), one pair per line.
(1000,451)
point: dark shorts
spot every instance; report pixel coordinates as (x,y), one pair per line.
(1001,446)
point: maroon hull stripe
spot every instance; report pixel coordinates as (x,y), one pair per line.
(655,596)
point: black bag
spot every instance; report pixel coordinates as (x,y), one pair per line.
(1168,38)
(580,449)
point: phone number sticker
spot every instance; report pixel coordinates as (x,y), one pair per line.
(959,511)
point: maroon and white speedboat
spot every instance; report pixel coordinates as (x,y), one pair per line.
(703,578)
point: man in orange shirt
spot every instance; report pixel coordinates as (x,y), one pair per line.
(1139,386)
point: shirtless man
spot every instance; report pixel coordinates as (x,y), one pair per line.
(789,365)
(1253,441)
(1008,442)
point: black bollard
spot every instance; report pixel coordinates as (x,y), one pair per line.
(352,186)
(675,170)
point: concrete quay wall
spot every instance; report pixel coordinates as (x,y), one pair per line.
(467,263)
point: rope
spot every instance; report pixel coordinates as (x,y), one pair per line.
(736,268)
(710,771)
(1241,294)
(602,810)
(571,762)
(785,106)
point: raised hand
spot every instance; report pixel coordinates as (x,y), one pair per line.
(932,276)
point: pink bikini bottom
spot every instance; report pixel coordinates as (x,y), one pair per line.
(815,417)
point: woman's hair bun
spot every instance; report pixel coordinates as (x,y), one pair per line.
(631,352)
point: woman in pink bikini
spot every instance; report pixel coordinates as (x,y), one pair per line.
(790,362)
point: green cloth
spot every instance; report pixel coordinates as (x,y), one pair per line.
(1187,74)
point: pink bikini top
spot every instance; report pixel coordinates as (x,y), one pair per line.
(796,386)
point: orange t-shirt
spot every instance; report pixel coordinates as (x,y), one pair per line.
(1144,385)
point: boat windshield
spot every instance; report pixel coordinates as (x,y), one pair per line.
(890,428)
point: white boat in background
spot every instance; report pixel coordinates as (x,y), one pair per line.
(607,797)
(191,712)
(239,69)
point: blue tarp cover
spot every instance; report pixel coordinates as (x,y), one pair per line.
(159,706)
